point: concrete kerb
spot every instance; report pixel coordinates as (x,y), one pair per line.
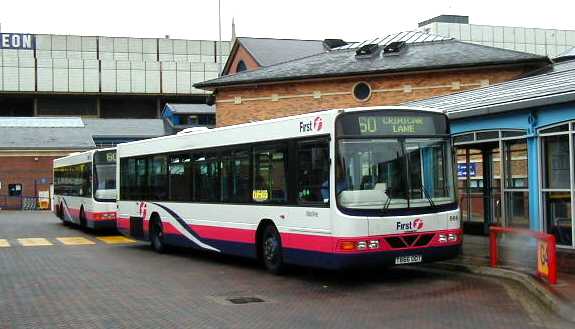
(536,288)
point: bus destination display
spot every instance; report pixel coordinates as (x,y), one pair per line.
(395,124)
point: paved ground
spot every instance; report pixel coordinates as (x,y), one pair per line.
(111,283)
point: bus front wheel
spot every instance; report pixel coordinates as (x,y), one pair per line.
(157,237)
(272,250)
(82,218)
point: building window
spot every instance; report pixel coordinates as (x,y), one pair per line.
(241,66)
(556,163)
(362,91)
(14,189)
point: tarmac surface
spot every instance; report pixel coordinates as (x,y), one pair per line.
(53,276)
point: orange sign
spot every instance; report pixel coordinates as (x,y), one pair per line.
(543,258)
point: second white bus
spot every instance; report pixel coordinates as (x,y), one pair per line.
(85,189)
(331,189)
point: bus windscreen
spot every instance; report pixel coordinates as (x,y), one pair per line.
(105,175)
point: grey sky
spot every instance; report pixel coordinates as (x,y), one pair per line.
(303,19)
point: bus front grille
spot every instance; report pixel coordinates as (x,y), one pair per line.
(411,240)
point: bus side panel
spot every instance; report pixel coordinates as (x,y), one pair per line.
(71,206)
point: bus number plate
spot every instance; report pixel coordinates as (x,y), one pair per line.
(408,259)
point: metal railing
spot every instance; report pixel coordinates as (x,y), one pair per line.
(24,203)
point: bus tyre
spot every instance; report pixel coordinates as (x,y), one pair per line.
(272,250)
(82,218)
(157,237)
(60,212)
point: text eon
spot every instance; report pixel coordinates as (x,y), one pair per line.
(16,41)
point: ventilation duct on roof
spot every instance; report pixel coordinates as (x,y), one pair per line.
(367,51)
(334,43)
(394,48)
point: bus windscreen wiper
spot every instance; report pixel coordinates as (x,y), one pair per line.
(426,194)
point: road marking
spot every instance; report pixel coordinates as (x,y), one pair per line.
(4,243)
(116,239)
(34,242)
(75,241)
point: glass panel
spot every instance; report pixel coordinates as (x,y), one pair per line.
(235,177)
(158,178)
(180,177)
(313,172)
(487,135)
(105,175)
(516,170)
(513,133)
(463,138)
(517,204)
(141,189)
(206,178)
(388,173)
(556,161)
(374,176)
(558,216)
(556,129)
(270,175)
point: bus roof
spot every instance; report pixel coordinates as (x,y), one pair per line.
(279,128)
(78,157)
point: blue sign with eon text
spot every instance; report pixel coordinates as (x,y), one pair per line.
(17,41)
(463,167)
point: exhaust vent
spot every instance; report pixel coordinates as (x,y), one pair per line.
(334,43)
(367,51)
(394,48)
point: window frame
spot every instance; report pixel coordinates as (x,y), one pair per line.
(290,145)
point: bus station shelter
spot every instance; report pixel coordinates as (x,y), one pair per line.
(515,148)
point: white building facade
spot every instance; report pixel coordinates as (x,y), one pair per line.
(549,42)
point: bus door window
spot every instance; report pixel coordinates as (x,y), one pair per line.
(207,177)
(313,171)
(158,177)
(128,178)
(141,187)
(270,175)
(180,177)
(235,176)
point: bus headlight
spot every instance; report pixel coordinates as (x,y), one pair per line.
(452,237)
(373,244)
(361,245)
(442,238)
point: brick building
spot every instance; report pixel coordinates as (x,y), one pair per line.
(395,69)
(252,53)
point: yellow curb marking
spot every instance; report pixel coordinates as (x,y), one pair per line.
(115,239)
(75,241)
(4,243)
(34,242)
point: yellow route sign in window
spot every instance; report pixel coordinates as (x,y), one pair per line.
(4,243)
(34,242)
(75,241)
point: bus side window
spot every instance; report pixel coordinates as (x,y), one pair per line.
(313,172)
(270,174)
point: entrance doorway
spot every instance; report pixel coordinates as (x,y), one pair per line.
(479,188)
(492,180)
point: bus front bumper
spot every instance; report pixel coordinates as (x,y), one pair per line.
(339,261)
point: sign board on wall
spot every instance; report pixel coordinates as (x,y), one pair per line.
(463,167)
(17,41)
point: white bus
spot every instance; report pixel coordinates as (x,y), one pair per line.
(85,189)
(331,189)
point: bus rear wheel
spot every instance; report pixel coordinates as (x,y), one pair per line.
(271,250)
(157,237)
